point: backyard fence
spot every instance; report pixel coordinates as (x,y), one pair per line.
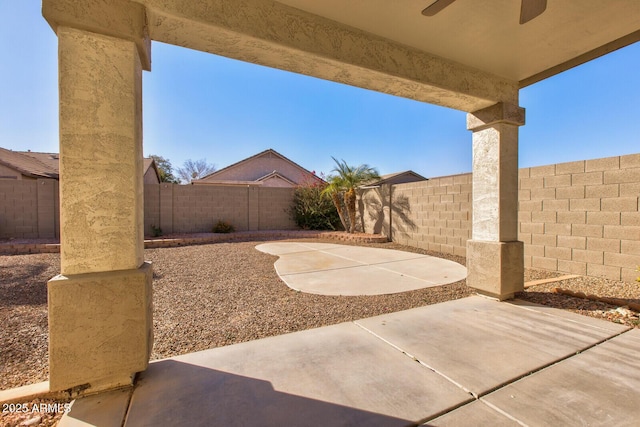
(579,217)
(29,208)
(196,208)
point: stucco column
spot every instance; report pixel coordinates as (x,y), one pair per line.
(100,312)
(495,260)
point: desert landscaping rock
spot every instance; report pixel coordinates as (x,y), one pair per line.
(219,294)
(205,296)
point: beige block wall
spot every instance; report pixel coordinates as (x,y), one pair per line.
(582,217)
(579,217)
(433,215)
(273,208)
(48,208)
(29,209)
(196,208)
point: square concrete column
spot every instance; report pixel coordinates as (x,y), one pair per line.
(495,259)
(100,306)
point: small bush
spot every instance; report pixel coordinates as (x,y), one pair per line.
(223,227)
(156,231)
(312,210)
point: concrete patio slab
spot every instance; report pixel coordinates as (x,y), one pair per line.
(305,262)
(345,375)
(567,315)
(332,269)
(476,413)
(362,280)
(316,246)
(503,341)
(368,255)
(337,375)
(598,387)
(276,249)
(430,269)
(104,410)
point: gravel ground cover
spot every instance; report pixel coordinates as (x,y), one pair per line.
(630,292)
(225,293)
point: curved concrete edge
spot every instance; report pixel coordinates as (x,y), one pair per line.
(345,270)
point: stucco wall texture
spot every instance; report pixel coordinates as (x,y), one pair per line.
(580,217)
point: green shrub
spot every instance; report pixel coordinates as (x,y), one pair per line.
(156,231)
(223,227)
(312,210)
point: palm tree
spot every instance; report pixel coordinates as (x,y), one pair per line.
(334,190)
(344,183)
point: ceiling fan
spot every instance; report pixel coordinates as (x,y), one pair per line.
(529,9)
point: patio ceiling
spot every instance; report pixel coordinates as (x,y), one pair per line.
(472,54)
(487,35)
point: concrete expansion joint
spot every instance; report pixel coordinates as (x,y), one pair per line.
(554,363)
(480,397)
(403,274)
(495,408)
(326,269)
(415,359)
(129,398)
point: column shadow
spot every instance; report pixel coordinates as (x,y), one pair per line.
(173,393)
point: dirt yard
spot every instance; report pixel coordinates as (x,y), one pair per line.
(225,293)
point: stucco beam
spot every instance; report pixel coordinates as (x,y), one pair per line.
(115,18)
(272,34)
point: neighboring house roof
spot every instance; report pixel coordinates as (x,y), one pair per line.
(46,165)
(399,178)
(27,165)
(266,166)
(50,159)
(151,163)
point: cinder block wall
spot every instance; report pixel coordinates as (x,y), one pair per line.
(582,217)
(29,209)
(196,208)
(579,217)
(433,215)
(273,208)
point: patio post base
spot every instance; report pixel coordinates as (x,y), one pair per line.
(100,329)
(495,269)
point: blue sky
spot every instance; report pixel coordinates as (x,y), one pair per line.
(198,105)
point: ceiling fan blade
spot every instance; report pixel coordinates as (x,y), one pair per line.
(436,7)
(530,9)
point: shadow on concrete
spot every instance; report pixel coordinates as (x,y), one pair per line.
(568,302)
(173,393)
(384,212)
